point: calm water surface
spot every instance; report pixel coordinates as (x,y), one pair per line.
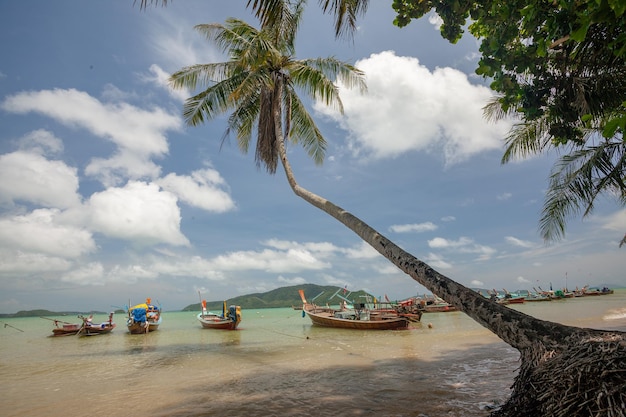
(276,364)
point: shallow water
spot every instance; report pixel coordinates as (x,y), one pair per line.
(276,364)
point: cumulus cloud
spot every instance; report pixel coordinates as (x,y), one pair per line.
(437,261)
(410,108)
(139,212)
(41,142)
(416,227)
(40,232)
(17,263)
(90,274)
(201,189)
(138,134)
(435,20)
(362,251)
(30,177)
(463,245)
(160,78)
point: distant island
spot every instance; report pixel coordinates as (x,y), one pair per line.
(278,298)
(285,297)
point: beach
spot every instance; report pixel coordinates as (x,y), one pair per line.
(275,364)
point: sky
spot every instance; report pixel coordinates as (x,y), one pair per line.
(107,197)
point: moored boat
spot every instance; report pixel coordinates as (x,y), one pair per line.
(597,291)
(434,304)
(228,320)
(359,317)
(86,328)
(143,318)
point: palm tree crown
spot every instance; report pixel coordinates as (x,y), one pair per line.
(261,78)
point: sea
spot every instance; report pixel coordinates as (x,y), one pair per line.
(276,364)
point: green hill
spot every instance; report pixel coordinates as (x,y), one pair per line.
(47,313)
(285,297)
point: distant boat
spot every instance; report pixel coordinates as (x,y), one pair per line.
(359,317)
(86,328)
(532,297)
(597,291)
(434,305)
(144,318)
(228,320)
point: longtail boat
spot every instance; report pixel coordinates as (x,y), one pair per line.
(86,328)
(359,317)
(144,318)
(228,320)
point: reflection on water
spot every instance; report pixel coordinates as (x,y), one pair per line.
(275,364)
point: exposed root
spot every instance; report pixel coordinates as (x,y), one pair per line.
(587,377)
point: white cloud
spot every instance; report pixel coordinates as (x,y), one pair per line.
(138,212)
(41,142)
(32,178)
(435,20)
(200,189)
(40,232)
(161,78)
(137,133)
(477,283)
(437,261)
(410,108)
(615,222)
(416,227)
(504,196)
(518,242)
(522,280)
(463,245)
(90,274)
(16,263)
(362,251)
(291,281)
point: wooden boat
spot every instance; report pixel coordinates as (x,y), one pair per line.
(143,318)
(86,328)
(435,305)
(360,320)
(228,320)
(359,317)
(597,291)
(534,297)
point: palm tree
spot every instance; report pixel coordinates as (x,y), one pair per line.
(346,12)
(259,85)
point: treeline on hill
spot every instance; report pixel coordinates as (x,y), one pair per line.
(285,297)
(47,313)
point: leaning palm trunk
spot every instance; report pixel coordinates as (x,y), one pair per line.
(561,366)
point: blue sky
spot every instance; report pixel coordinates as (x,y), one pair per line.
(106,196)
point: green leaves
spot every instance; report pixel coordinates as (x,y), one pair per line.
(262,79)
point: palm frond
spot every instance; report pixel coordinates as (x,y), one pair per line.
(200,75)
(346,13)
(304,131)
(213,101)
(576,182)
(243,121)
(315,77)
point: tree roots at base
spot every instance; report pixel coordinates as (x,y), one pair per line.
(585,377)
